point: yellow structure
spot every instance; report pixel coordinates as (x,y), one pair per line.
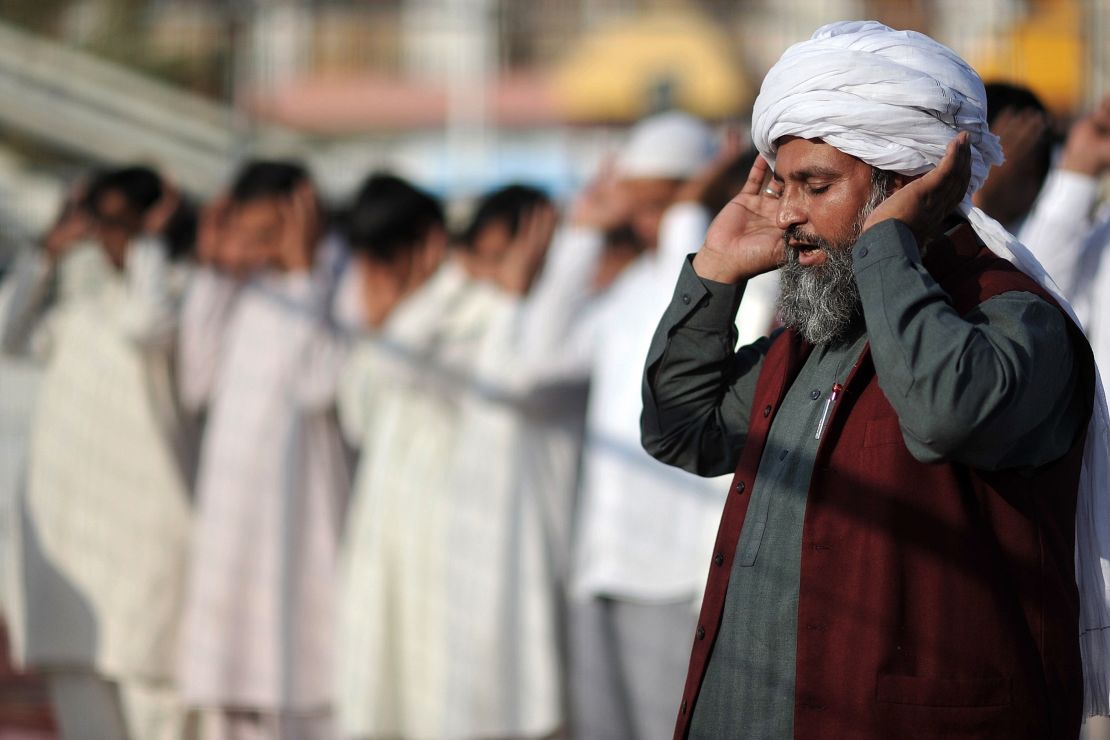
(621,72)
(1044,52)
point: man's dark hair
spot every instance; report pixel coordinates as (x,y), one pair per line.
(1005,95)
(181,231)
(390,217)
(508,205)
(262,178)
(140,186)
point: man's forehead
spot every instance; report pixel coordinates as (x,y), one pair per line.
(800,158)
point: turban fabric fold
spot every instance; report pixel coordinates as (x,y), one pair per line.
(894,99)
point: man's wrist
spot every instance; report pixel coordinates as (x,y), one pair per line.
(710,266)
(1080,162)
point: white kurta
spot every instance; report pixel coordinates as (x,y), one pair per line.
(515,473)
(263,359)
(645,530)
(106,520)
(20,378)
(402,402)
(1072,240)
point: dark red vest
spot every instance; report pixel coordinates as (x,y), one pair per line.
(935,600)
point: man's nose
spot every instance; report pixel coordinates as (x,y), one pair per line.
(791,212)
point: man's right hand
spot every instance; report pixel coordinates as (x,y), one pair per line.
(74,223)
(212,231)
(743,241)
(602,204)
(1088,147)
(524,258)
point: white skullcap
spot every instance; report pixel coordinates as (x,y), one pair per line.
(671,145)
(894,99)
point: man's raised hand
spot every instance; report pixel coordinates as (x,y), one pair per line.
(523,260)
(743,241)
(923,203)
(1088,147)
(300,229)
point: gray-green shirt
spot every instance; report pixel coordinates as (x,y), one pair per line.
(984,389)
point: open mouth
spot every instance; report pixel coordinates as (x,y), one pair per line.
(803,247)
(808,254)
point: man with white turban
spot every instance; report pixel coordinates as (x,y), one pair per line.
(916,457)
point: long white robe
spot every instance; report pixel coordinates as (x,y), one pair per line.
(1069,232)
(263,358)
(106,519)
(515,473)
(402,401)
(20,378)
(644,530)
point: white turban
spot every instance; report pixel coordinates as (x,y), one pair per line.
(671,145)
(894,99)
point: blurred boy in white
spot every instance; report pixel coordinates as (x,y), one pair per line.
(106,516)
(643,530)
(260,356)
(450,596)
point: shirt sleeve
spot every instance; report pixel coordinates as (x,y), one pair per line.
(301,308)
(148,316)
(209,301)
(1058,225)
(23,300)
(992,389)
(698,388)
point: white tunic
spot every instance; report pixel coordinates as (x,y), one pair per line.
(263,359)
(645,530)
(1071,240)
(106,520)
(515,475)
(402,402)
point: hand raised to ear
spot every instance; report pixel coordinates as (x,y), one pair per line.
(212,231)
(300,229)
(158,216)
(923,204)
(74,223)
(523,260)
(1088,147)
(744,239)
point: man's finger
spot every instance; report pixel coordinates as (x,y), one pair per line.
(757,175)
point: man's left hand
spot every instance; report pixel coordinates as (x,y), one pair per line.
(923,203)
(524,258)
(300,230)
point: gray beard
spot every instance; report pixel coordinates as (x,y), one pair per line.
(822,302)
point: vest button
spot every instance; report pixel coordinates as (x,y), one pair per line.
(701,633)
(766,411)
(686,300)
(740,487)
(718,560)
(815,394)
(862,251)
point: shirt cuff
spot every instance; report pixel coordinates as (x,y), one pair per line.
(1070,194)
(705,304)
(682,229)
(890,238)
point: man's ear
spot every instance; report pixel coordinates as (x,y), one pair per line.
(900,181)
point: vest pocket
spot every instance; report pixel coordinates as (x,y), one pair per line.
(750,538)
(943,692)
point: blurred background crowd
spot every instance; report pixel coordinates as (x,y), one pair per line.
(323,324)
